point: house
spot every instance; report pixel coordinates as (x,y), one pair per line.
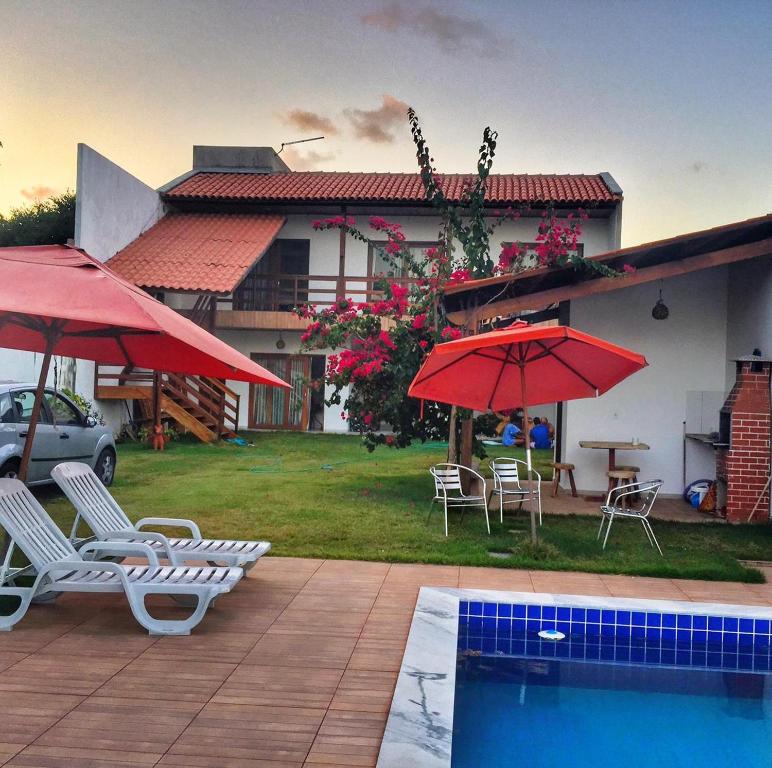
(230,243)
(715,338)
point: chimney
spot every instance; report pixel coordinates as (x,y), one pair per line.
(238,160)
(743,455)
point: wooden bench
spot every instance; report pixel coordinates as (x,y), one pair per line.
(559,467)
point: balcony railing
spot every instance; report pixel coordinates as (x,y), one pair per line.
(282,292)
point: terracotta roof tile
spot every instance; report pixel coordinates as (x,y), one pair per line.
(197,251)
(313,186)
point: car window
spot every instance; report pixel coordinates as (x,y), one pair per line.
(64,413)
(7,413)
(23,401)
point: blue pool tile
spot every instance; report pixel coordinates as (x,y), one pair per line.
(653,655)
(623,631)
(548,649)
(505,610)
(683,635)
(518,646)
(548,612)
(577,651)
(564,614)
(638,619)
(608,630)
(638,631)
(715,623)
(593,629)
(637,654)
(475,624)
(592,652)
(745,639)
(475,609)
(699,637)
(746,625)
(518,625)
(489,645)
(489,623)
(745,661)
(534,611)
(653,619)
(668,633)
(623,653)
(562,650)
(533,625)
(668,656)
(608,617)
(607,652)
(699,622)
(463,608)
(623,618)
(683,657)
(578,614)
(653,633)
(518,611)
(714,659)
(489,609)
(593,615)
(730,624)
(684,621)
(548,624)
(762,626)
(564,627)
(730,639)
(699,658)
(668,620)
(715,638)
(729,660)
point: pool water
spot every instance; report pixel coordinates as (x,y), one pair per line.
(534,712)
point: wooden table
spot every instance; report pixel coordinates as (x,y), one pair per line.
(612,447)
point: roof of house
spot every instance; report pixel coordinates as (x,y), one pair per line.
(207,252)
(324,186)
(537,288)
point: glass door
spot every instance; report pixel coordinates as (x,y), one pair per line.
(276,408)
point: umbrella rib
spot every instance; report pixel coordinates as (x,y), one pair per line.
(570,367)
(504,362)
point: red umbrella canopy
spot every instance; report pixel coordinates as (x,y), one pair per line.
(61,300)
(522,365)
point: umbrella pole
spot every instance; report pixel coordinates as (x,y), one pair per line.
(51,338)
(527,437)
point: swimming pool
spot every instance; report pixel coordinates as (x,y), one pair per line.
(634,682)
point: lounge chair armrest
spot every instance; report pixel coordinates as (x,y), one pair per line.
(142,537)
(127,548)
(177,522)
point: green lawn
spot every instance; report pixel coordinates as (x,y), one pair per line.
(325,496)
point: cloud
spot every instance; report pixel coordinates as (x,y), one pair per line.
(377,125)
(698,166)
(306,161)
(37,193)
(447,30)
(304,120)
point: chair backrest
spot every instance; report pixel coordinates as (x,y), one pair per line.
(90,498)
(648,490)
(506,470)
(447,477)
(30,526)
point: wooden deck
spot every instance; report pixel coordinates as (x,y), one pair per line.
(295,668)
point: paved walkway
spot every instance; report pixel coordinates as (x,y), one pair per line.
(296,667)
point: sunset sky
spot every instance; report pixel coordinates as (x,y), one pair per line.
(672,98)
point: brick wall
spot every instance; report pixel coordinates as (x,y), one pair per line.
(746,464)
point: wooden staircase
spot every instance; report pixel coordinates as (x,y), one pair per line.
(202,406)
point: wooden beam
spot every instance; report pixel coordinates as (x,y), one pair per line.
(598,285)
(341,284)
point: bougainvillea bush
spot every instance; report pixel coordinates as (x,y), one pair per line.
(378,345)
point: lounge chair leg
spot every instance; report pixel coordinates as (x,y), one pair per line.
(25,597)
(600,530)
(446,520)
(137,597)
(501,507)
(487,521)
(538,497)
(651,531)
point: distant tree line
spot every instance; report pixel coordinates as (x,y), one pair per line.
(43,222)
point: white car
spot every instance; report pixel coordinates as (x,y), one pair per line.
(64,433)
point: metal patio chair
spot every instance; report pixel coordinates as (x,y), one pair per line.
(449,490)
(618,504)
(507,486)
(59,568)
(96,505)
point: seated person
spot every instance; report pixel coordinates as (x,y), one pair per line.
(509,436)
(540,436)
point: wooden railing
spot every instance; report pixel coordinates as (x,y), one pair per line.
(283,292)
(208,400)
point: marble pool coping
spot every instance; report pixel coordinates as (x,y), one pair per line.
(419,730)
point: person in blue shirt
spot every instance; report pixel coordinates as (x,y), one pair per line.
(509,436)
(540,435)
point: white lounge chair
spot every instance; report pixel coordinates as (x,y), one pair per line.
(507,485)
(60,568)
(94,503)
(643,494)
(449,490)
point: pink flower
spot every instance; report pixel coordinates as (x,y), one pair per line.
(423,343)
(628,268)
(449,333)
(419,321)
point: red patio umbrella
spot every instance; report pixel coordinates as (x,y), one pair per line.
(522,365)
(60,300)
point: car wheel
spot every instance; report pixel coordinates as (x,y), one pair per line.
(10,469)
(105,466)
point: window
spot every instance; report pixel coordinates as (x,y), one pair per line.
(276,408)
(7,415)
(23,402)
(64,413)
(379,263)
(279,281)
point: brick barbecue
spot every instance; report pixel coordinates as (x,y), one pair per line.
(743,450)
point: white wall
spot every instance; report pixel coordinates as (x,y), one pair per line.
(687,352)
(750,310)
(112,206)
